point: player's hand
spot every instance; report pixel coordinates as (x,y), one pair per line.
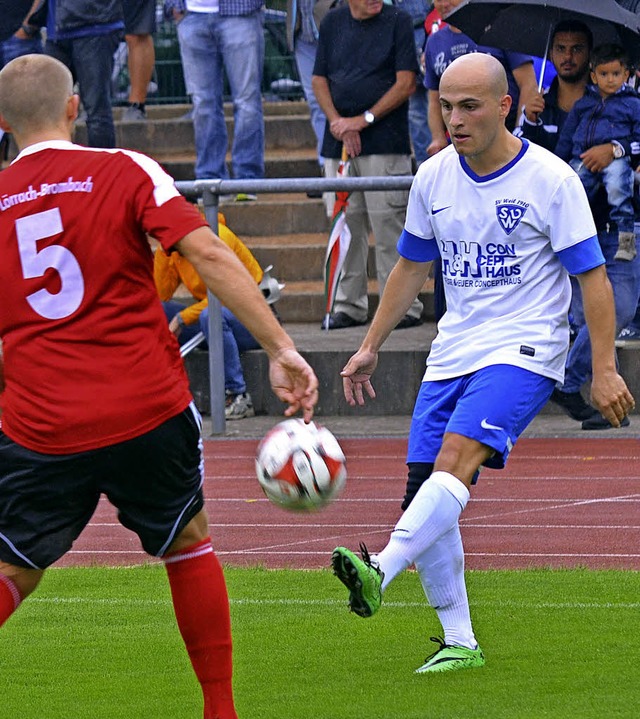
(533,108)
(356,376)
(610,394)
(175,326)
(294,382)
(596,158)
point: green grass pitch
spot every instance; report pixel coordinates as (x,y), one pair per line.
(102,643)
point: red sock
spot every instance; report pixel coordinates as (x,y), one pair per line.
(201,605)
(9,598)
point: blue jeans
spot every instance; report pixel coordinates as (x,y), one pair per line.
(90,59)
(171,309)
(418,123)
(236,338)
(305,53)
(625,280)
(617,179)
(14,47)
(212,46)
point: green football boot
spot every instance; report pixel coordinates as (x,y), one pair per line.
(362,578)
(449,658)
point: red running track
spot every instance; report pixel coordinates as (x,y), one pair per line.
(558,503)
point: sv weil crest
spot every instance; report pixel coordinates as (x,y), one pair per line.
(509,216)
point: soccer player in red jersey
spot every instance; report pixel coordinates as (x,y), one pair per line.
(96,399)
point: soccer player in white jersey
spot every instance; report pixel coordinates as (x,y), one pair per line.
(92,401)
(495,209)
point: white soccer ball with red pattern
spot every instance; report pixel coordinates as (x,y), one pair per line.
(300,467)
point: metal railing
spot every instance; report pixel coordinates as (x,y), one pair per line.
(209,191)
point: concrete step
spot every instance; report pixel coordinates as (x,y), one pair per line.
(277,214)
(303,301)
(155,135)
(178,110)
(397,378)
(277,163)
(294,257)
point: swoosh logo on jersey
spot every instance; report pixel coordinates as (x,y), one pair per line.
(485,425)
(440,209)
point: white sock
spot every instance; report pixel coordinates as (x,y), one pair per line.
(441,570)
(434,510)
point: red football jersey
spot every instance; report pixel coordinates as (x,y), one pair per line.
(89,359)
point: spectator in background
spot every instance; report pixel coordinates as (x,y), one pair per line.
(303,20)
(27,40)
(139,27)
(609,112)
(543,119)
(449,43)
(631,333)
(219,37)
(364,74)
(419,101)
(84,34)
(185,322)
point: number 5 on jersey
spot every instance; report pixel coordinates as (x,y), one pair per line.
(36,227)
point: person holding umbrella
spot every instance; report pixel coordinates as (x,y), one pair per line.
(507,246)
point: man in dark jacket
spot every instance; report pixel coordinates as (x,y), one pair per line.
(544,118)
(84,34)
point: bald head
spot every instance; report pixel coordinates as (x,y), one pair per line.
(34,93)
(477,70)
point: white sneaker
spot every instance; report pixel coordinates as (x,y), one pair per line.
(238,406)
(133,114)
(626,247)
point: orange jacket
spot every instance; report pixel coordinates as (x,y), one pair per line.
(169,271)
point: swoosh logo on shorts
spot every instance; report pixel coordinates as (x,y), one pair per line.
(485,425)
(440,209)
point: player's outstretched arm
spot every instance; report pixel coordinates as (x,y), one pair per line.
(292,379)
(609,393)
(405,282)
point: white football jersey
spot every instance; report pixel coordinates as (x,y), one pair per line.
(499,236)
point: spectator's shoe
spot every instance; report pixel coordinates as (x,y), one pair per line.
(238,406)
(626,247)
(574,405)
(361,577)
(340,321)
(628,336)
(246,197)
(599,422)
(133,113)
(408,321)
(449,658)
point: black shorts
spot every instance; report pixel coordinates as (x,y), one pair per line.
(155,482)
(139,17)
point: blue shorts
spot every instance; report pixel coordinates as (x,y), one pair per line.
(492,405)
(154,480)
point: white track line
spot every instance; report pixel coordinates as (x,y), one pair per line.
(239,602)
(351,525)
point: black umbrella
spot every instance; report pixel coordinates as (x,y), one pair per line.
(12,15)
(526,26)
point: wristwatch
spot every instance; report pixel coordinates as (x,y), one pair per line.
(369,117)
(618,150)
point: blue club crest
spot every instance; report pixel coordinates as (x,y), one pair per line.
(509,216)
